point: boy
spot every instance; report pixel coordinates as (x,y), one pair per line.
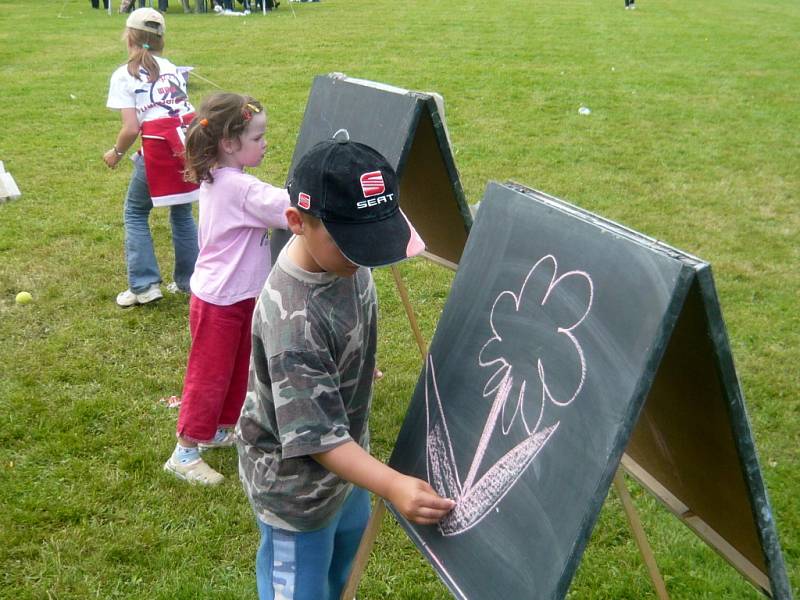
(303,437)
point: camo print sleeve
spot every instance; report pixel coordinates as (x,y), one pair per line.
(309,412)
(310,390)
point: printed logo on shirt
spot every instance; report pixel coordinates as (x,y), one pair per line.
(372,184)
(304,200)
(168,92)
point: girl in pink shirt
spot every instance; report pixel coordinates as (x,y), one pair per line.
(236,211)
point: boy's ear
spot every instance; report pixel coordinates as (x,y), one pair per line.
(294,220)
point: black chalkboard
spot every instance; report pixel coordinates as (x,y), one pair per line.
(408,128)
(558,327)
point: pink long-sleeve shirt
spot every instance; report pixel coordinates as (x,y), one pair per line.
(235,213)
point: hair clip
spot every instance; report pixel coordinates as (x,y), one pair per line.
(203,123)
(146,46)
(249,109)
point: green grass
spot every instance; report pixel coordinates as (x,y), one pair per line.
(692,139)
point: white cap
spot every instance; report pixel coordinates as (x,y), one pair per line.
(147,19)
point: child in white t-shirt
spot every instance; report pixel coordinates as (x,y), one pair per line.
(236,211)
(151,95)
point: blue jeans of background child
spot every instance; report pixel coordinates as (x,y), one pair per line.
(311,565)
(140,256)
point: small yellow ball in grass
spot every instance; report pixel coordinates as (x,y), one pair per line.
(24,298)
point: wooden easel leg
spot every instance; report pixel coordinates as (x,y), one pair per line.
(412,319)
(364,548)
(639,536)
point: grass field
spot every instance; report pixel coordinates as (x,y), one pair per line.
(693,139)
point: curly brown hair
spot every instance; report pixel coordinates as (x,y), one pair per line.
(221,116)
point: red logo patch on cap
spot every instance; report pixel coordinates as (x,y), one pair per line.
(372,184)
(304,200)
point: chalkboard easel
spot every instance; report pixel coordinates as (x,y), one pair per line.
(569,344)
(409,129)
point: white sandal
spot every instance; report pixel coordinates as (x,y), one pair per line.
(196,471)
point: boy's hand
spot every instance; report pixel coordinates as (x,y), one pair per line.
(417,501)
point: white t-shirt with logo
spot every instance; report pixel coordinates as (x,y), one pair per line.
(166,97)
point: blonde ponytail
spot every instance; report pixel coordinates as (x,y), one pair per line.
(142,46)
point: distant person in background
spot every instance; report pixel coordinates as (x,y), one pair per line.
(236,212)
(630,5)
(151,96)
(96,4)
(128,5)
(226,7)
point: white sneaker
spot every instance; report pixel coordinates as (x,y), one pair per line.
(173,288)
(217,8)
(128,298)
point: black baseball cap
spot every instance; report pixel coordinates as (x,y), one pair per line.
(354,191)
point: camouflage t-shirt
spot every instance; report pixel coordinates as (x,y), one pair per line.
(310,389)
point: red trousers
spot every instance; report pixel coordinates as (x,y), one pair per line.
(216,374)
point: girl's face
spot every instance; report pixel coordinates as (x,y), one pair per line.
(249,149)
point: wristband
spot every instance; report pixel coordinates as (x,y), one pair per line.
(117,152)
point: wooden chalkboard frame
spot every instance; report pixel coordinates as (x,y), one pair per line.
(409,129)
(746,535)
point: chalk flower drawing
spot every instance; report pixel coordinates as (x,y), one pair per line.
(543,314)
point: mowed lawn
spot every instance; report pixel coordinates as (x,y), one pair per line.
(692,139)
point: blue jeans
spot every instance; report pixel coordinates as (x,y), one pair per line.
(140,257)
(311,565)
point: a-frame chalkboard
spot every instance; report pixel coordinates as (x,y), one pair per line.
(566,340)
(408,128)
